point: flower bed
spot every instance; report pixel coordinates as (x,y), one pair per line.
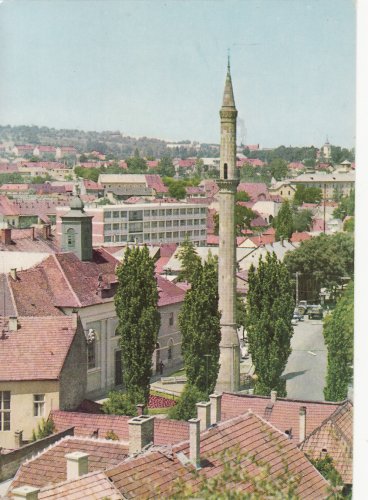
(160,402)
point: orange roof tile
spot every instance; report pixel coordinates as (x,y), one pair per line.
(37,350)
(155,472)
(95,486)
(283,414)
(335,436)
(49,467)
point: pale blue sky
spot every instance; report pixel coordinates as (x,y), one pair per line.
(157,68)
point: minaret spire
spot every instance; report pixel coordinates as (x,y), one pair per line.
(229,373)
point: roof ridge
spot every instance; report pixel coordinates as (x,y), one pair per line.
(288,400)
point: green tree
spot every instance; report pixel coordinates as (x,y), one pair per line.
(136,165)
(338,331)
(349,225)
(321,262)
(279,169)
(190,261)
(270,306)
(283,222)
(302,220)
(242,196)
(185,408)
(44,428)
(139,320)
(199,322)
(121,403)
(346,206)
(325,465)
(177,190)
(166,167)
(305,194)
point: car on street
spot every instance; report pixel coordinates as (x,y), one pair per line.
(315,312)
(294,320)
(298,314)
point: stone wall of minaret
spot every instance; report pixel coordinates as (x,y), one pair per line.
(229,374)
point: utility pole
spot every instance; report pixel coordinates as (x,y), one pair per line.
(297,289)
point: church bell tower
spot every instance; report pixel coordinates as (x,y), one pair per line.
(229,374)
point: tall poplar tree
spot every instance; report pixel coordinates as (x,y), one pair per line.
(284,222)
(269,311)
(199,322)
(136,303)
(189,259)
(338,331)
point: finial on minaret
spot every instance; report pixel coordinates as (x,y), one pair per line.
(228,60)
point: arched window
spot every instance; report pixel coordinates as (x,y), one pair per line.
(70,235)
(170,350)
(225,170)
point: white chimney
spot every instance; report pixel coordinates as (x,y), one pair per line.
(273,396)
(13,273)
(203,414)
(194,442)
(76,464)
(13,324)
(215,400)
(302,423)
(141,432)
(26,493)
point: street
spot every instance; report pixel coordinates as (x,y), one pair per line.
(306,368)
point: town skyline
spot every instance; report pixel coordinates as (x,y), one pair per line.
(92,73)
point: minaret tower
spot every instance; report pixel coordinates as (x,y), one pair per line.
(229,374)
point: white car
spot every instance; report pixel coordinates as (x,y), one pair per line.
(294,320)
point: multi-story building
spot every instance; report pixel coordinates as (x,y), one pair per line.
(145,223)
(330,184)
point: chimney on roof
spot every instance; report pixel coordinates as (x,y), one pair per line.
(140,409)
(215,408)
(33,233)
(13,324)
(203,414)
(302,423)
(76,464)
(13,273)
(273,396)
(141,432)
(194,442)
(6,236)
(26,493)
(18,439)
(46,231)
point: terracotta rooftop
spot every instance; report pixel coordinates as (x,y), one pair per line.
(62,280)
(29,240)
(94,485)
(169,293)
(283,414)
(155,182)
(295,237)
(49,467)
(34,352)
(155,472)
(334,437)
(86,424)
(256,190)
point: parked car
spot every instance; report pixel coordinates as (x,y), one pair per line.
(302,307)
(294,320)
(298,314)
(315,312)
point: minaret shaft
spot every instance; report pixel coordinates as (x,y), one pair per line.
(228,378)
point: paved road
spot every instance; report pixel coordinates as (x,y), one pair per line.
(306,368)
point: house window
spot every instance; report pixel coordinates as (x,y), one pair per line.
(4,410)
(170,350)
(91,355)
(38,405)
(70,234)
(171,319)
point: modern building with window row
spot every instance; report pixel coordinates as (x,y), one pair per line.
(145,223)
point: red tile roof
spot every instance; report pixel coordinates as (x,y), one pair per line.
(296,237)
(256,190)
(155,472)
(152,163)
(283,414)
(92,185)
(37,350)
(49,467)
(263,239)
(259,222)
(317,225)
(22,241)
(186,163)
(335,436)
(154,181)
(87,424)
(169,293)
(94,485)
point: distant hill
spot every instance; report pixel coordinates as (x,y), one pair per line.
(108,142)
